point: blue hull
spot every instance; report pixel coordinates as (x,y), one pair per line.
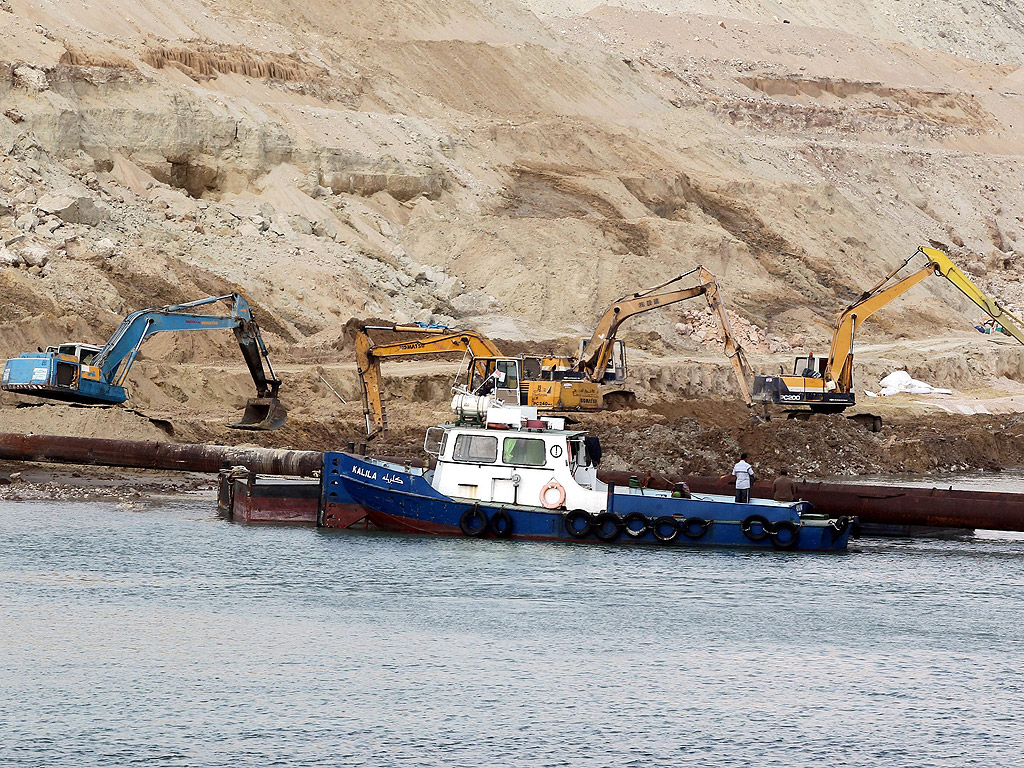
(399,500)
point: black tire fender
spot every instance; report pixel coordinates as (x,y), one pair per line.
(788,542)
(747,526)
(473,521)
(501,524)
(839,525)
(633,517)
(571,520)
(602,523)
(694,527)
(658,529)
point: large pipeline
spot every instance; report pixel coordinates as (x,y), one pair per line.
(884,504)
(154,455)
(889,505)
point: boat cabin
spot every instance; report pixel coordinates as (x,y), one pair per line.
(541,464)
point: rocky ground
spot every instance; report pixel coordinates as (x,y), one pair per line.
(129,487)
(514,167)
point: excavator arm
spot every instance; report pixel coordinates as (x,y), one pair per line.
(119,353)
(733,349)
(839,368)
(1010,323)
(429,341)
(594,358)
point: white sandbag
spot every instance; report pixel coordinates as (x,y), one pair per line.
(899,382)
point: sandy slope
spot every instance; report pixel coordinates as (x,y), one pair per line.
(510,166)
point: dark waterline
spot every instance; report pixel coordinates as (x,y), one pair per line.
(163,636)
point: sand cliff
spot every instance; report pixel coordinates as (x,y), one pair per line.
(507,166)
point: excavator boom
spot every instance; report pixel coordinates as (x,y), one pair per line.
(429,340)
(595,355)
(839,368)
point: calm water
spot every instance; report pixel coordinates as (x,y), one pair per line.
(165,637)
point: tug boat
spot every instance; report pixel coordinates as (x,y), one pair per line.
(504,472)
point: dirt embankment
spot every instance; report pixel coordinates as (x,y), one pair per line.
(697,438)
(706,437)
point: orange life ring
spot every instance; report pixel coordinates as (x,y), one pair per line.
(552,486)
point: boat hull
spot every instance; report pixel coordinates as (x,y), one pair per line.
(401,500)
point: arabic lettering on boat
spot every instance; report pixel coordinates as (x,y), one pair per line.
(357,470)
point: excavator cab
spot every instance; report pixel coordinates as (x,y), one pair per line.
(615,372)
(498,376)
(63,372)
(503,377)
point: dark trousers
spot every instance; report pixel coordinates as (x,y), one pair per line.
(742,495)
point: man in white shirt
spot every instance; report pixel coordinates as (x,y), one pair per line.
(744,474)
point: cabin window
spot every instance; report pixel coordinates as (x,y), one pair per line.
(434,441)
(532,369)
(524,451)
(509,370)
(810,366)
(476,449)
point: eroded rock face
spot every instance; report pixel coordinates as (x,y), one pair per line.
(30,78)
(74,209)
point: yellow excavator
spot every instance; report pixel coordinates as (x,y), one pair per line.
(825,385)
(596,354)
(591,381)
(526,379)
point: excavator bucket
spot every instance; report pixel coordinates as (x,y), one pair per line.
(263,413)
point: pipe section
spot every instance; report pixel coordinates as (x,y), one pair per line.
(155,455)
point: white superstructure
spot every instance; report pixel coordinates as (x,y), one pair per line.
(514,457)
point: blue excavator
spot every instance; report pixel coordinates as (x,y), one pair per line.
(93,375)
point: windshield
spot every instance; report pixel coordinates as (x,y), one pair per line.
(524,451)
(478,449)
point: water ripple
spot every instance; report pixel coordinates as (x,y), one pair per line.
(173,639)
